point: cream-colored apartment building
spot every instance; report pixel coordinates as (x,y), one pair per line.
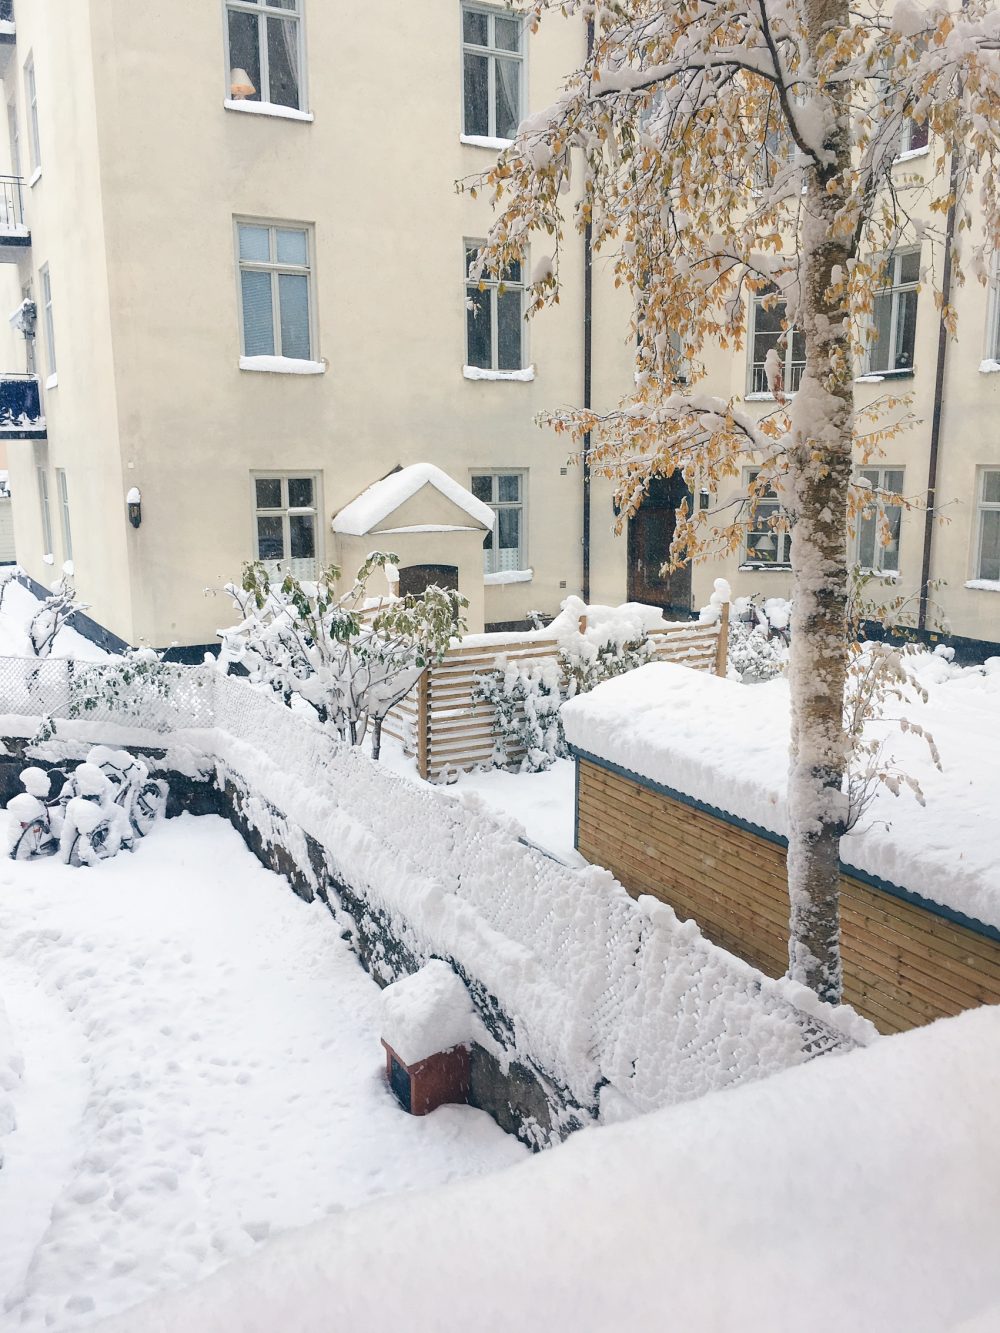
(231,235)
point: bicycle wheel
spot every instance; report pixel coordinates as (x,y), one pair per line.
(33,841)
(150,802)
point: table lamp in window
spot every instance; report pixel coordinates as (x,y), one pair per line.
(240,85)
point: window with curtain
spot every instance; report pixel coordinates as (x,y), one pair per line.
(988,533)
(494,317)
(492,72)
(275,290)
(766,543)
(767,331)
(264,52)
(503,548)
(894,316)
(879,522)
(285,523)
(31,102)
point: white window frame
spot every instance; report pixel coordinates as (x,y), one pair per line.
(276,268)
(67,531)
(261,10)
(490,554)
(756,379)
(31,104)
(14,135)
(46,511)
(45,286)
(492,53)
(286,512)
(894,289)
(992,350)
(983,506)
(782,540)
(880,488)
(493,285)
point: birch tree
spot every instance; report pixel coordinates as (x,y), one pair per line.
(732,149)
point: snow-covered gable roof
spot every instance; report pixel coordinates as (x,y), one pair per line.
(384,497)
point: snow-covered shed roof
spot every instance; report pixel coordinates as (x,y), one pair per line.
(726,744)
(384,497)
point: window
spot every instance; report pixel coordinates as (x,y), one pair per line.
(67,534)
(15,139)
(285,527)
(916,134)
(767,332)
(275,290)
(988,535)
(31,99)
(503,548)
(43,498)
(50,332)
(894,320)
(492,65)
(878,523)
(264,52)
(494,318)
(766,544)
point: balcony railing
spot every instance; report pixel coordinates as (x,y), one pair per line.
(21,407)
(12,223)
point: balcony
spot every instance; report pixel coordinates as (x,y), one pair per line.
(21,416)
(15,238)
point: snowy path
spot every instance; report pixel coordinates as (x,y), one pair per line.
(202,1070)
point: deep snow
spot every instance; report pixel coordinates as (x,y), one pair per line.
(202,1069)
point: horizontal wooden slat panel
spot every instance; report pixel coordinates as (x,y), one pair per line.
(904,965)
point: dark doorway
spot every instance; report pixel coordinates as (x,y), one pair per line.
(415,579)
(650,533)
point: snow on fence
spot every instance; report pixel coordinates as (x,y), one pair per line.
(444,728)
(601,990)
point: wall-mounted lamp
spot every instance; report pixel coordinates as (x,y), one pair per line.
(133,503)
(240,85)
(703,498)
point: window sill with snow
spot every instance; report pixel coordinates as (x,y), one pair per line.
(877,376)
(268,109)
(759,567)
(484,141)
(282,365)
(479,373)
(983,585)
(503,576)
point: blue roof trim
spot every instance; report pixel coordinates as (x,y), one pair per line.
(872,881)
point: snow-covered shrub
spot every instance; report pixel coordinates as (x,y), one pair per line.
(127,683)
(60,605)
(313,646)
(525,698)
(758,638)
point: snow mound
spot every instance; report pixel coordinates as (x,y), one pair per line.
(384,497)
(427,1012)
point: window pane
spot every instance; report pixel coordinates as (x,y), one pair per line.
(989,545)
(471,252)
(254,243)
(474,28)
(508,85)
(512,273)
(302,535)
(509,330)
(293,295)
(909,267)
(268,492)
(270,543)
(508,537)
(890,551)
(281,4)
(244,54)
(510,487)
(893,481)
(991,487)
(482,488)
(476,94)
(258,321)
(918,134)
(477,323)
(300,492)
(508,34)
(906,329)
(292,248)
(878,358)
(866,542)
(283,61)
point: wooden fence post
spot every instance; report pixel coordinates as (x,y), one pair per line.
(722,643)
(423,722)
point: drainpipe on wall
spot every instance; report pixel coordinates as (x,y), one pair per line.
(942,352)
(588,311)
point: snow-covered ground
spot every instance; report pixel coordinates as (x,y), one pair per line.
(202,1070)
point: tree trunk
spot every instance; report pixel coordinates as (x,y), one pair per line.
(376,738)
(822,417)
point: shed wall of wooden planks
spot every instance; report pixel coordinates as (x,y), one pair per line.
(903,964)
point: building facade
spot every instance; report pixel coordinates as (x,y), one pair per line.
(231,233)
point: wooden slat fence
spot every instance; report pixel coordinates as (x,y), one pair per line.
(441,725)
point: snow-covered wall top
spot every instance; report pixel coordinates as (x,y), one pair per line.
(726,744)
(384,497)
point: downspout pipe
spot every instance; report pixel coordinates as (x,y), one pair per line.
(588,350)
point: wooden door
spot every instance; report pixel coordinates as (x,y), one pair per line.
(650,533)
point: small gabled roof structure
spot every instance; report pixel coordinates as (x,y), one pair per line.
(369,512)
